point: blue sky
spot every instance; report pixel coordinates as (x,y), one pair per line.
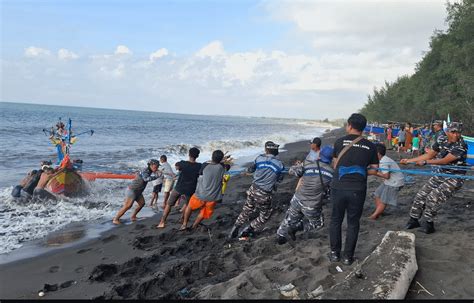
(98,26)
(302,59)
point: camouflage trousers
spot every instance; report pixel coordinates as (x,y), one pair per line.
(432,195)
(257,201)
(300,217)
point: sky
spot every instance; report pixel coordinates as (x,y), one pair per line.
(292,59)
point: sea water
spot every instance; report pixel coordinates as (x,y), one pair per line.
(122,142)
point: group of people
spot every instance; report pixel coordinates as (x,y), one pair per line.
(339,171)
(34,184)
(199,185)
(414,140)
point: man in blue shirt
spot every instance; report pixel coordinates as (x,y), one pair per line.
(267,169)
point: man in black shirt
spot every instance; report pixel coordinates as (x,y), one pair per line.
(186,185)
(352,155)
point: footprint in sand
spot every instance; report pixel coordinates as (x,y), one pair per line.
(54,269)
(109,238)
(81,251)
(79,270)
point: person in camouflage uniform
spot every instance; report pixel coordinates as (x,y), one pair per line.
(305,211)
(447,150)
(267,169)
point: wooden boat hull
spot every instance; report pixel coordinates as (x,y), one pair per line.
(68,183)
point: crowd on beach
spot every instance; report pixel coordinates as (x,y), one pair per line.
(338,173)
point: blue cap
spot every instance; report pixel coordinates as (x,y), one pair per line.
(325,155)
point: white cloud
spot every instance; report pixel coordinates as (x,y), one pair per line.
(337,53)
(65,54)
(122,50)
(212,50)
(162,52)
(36,52)
(362,24)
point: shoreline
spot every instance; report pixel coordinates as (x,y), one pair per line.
(69,236)
(139,261)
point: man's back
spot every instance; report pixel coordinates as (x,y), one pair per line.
(209,186)
(311,187)
(187,180)
(268,170)
(351,171)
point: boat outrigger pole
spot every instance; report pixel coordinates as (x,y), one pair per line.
(63,138)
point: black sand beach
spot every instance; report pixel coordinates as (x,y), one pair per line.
(137,261)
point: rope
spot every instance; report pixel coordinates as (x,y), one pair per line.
(459,167)
(406,171)
(425,173)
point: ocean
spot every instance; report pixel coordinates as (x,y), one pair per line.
(122,142)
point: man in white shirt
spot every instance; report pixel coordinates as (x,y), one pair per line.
(387,192)
(168,176)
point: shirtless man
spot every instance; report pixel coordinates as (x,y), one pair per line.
(40,192)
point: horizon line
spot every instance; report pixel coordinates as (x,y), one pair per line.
(151,111)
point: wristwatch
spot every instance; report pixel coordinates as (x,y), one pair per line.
(425,162)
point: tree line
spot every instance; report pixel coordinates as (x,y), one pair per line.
(443,81)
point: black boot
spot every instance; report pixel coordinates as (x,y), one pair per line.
(293,229)
(234,232)
(281,240)
(412,223)
(347,259)
(248,232)
(334,256)
(428,228)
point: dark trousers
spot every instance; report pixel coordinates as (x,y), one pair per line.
(352,202)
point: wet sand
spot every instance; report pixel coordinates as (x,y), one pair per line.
(137,261)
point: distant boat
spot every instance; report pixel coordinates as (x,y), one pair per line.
(470,150)
(379,130)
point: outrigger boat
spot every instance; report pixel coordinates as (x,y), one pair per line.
(67,181)
(70,181)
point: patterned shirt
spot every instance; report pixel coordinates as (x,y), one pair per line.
(458,149)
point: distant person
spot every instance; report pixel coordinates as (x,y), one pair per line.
(186,185)
(134,192)
(16,192)
(389,136)
(387,192)
(401,139)
(175,180)
(29,187)
(408,138)
(451,151)
(305,211)
(315,147)
(208,190)
(353,154)
(415,151)
(40,192)
(267,169)
(168,175)
(157,186)
(439,135)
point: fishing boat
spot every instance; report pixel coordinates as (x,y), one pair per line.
(68,183)
(470,150)
(379,130)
